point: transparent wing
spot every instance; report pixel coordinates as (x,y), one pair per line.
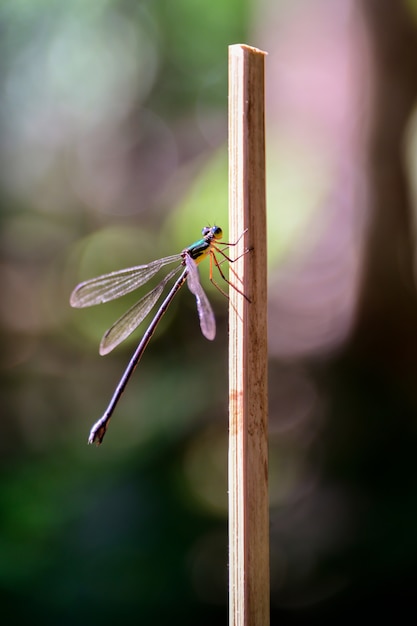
(205,312)
(116,284)
(130,320)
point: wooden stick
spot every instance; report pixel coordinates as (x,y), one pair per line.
(248,401)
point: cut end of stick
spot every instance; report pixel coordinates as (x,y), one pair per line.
(243,46)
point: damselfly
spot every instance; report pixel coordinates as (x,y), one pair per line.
(116,284)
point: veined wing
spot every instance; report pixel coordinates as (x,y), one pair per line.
(116,284)
(205,312)
(130,320)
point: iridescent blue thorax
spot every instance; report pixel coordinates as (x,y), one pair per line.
(201,248)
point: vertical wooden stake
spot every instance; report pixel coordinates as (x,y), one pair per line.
(248,408)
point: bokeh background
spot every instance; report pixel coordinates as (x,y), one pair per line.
(113,152)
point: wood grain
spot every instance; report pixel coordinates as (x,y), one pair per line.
(248,389)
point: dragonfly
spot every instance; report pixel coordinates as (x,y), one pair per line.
(119,283)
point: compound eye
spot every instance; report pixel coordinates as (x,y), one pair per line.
(217,232)
(205,231)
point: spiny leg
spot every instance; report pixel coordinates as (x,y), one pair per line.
(217,264)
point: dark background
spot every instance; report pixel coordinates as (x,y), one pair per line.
(113,152)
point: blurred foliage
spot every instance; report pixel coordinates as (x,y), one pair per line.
(113,119)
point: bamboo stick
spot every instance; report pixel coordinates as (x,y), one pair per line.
(248,438)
